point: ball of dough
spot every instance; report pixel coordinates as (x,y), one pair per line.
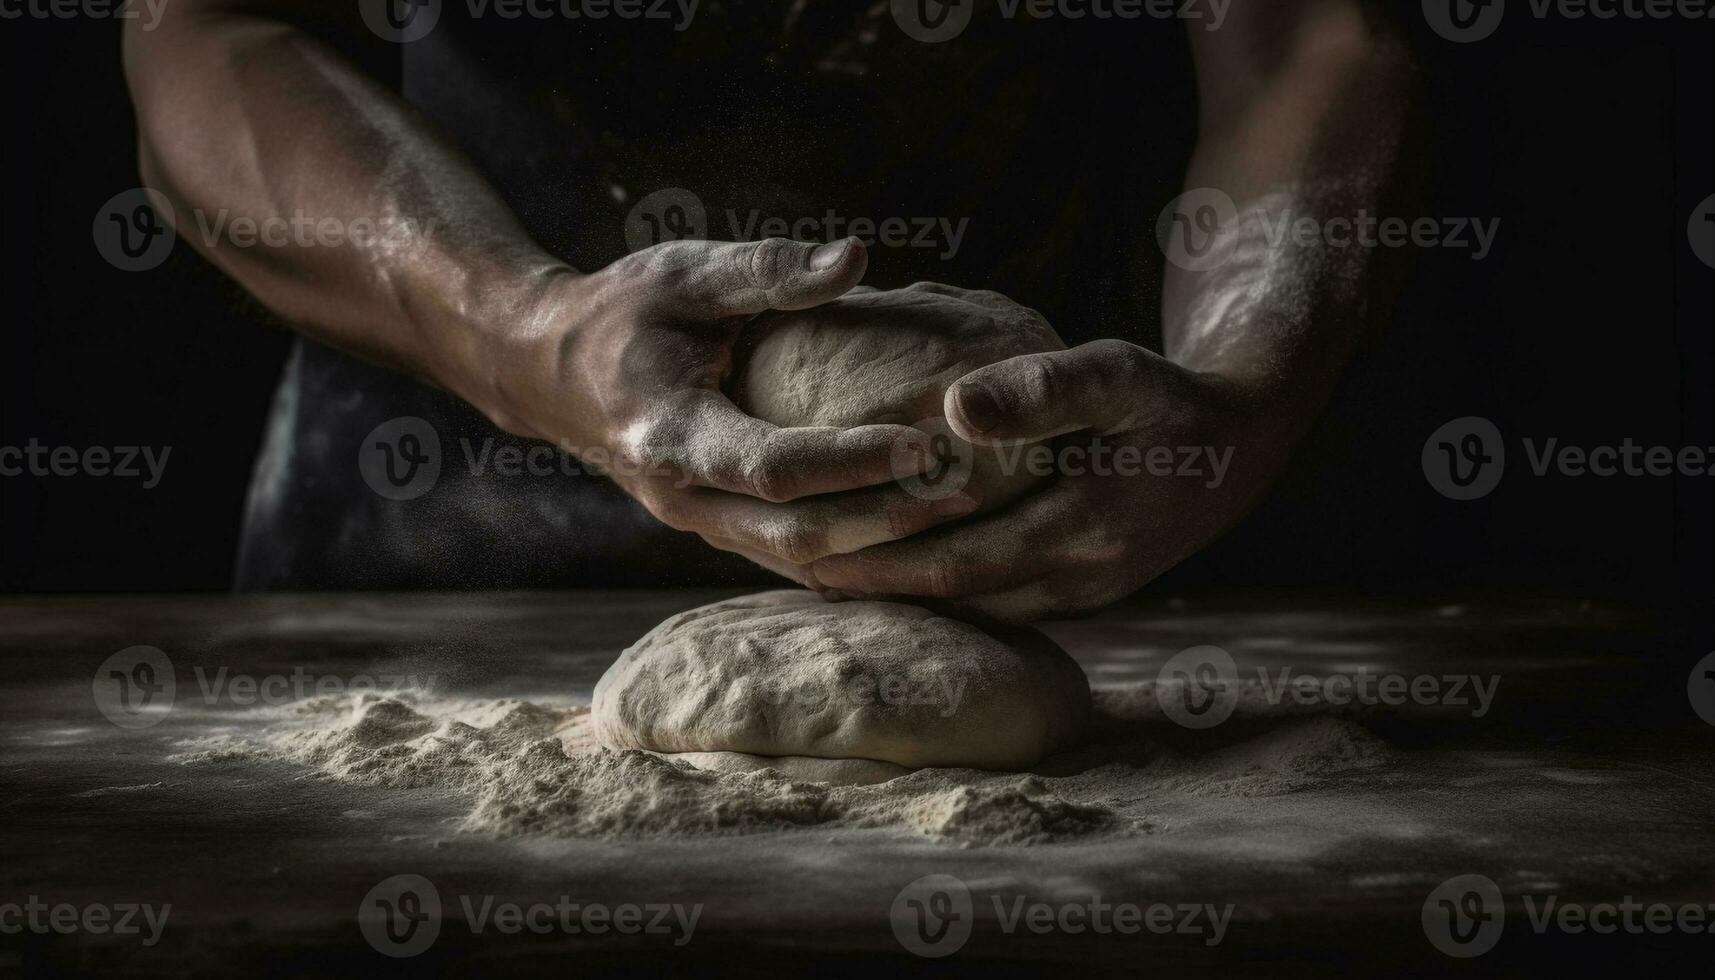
(789,673)
(889,357)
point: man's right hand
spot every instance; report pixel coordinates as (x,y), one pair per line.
(627,364)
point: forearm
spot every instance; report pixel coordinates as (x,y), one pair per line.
(1303,128)
(384,241)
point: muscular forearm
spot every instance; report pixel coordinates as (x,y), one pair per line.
(382,239)
(1303,114)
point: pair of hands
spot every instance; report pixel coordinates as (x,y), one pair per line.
(624,367)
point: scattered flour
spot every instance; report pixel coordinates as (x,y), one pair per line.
(522,768)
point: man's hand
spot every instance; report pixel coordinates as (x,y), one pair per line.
(624,369)
(1127,498)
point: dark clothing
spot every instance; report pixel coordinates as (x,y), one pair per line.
(1053,144)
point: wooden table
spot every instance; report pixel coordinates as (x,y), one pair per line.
(1589,780)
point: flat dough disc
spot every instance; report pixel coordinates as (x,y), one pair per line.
(789,673)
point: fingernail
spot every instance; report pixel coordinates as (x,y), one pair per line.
(827,256)
(958,505)
(977,404)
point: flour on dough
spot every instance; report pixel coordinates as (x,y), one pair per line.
(871,358)
(789,673)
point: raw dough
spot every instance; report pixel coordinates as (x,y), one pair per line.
(889,357)
(789,673)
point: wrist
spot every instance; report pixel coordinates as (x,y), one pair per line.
(497,344)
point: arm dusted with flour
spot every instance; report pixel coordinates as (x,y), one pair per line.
(1304,107)
(246,120)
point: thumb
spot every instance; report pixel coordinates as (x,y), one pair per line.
(1038,396)
(746,278)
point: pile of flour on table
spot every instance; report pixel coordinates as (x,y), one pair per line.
(521,768)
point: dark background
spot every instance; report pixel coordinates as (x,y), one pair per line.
(1590,321)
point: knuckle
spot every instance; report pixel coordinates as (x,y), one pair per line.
(1039,379)
(947,580)
(769,479)
(1116,359)
(795,542)
(770,262)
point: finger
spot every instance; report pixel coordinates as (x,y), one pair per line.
(796,573)
(804,530)
(737,279)
(1038,396)
(979,557)
(981,297)
(711,443)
